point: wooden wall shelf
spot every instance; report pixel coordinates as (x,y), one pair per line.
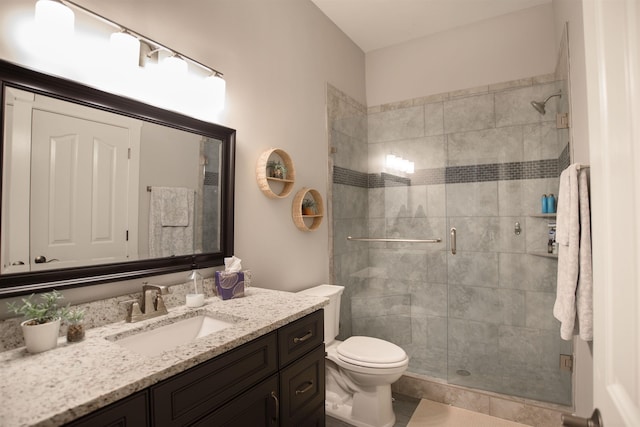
(275,187)
(296,210)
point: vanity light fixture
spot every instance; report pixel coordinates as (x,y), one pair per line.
(131,49)
(398,163)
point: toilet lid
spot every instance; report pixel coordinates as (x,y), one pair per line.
(368,351)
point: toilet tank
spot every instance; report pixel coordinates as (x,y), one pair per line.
(331,311)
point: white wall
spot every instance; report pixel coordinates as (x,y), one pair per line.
(505,48)
(277,57)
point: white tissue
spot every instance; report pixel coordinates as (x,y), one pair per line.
(232,265)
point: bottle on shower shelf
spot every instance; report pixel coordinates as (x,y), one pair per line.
(551,203)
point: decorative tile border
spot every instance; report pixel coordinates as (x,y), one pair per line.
(564,160)
(535,169)
(211,178)
(350,177)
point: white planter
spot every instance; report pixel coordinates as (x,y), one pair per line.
(39,338)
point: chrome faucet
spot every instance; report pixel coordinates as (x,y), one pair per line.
(152,304)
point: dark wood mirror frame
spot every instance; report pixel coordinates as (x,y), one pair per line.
(23,283)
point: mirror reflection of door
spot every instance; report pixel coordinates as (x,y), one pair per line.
(69,171)
(79,187)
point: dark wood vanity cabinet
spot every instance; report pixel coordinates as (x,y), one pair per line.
(275,380)
(130,411)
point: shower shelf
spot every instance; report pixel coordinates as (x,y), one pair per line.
(544,254)
(543,215)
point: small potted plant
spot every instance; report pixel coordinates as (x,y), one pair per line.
(42,327)
(308,207)
(276,169)
(75,330)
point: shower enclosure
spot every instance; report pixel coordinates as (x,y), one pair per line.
(482,160)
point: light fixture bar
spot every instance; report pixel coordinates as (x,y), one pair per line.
(156,45)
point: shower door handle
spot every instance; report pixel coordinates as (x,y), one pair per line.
(452,240)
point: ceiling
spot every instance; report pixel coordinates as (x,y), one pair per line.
(374,24)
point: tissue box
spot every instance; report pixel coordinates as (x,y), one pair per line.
(229,285)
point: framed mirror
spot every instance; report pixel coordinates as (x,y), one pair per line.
(99,188)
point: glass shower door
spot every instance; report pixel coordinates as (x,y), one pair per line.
(502,157)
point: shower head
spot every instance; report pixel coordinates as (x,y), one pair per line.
(540,106)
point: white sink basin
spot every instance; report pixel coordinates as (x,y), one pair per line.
(182,331)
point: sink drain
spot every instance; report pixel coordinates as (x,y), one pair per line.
(463,372)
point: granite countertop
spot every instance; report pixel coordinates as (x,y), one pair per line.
(74,379)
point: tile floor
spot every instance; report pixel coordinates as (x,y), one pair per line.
(414,412)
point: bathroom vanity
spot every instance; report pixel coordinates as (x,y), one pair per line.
(266,369)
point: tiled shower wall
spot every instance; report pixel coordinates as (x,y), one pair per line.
(483,158)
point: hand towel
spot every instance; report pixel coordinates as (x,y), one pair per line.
(167,241)
(567,235)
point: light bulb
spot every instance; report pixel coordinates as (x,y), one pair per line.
(174,65)
(125,49)
(216,87)
(54,19)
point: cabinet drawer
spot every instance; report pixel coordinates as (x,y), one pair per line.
(258,407)
(299,337)
(130,411)
(302,389)
(191,395)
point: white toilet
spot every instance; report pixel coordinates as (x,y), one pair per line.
(359,370)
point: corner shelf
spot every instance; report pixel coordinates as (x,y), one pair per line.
(296,210)
(543,254)
(543,215)
(264,181)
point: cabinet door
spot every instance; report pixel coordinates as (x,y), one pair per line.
(130,411)
(302,390)
(258,407)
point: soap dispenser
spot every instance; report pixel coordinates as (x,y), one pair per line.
(196,299)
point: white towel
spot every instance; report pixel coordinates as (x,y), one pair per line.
(169,240)
(573,234)
(584,293)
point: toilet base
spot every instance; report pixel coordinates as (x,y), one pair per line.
(343,412)
(371,408)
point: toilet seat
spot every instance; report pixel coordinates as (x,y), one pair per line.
(371,353)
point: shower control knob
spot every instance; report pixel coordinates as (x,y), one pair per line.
(572,421)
